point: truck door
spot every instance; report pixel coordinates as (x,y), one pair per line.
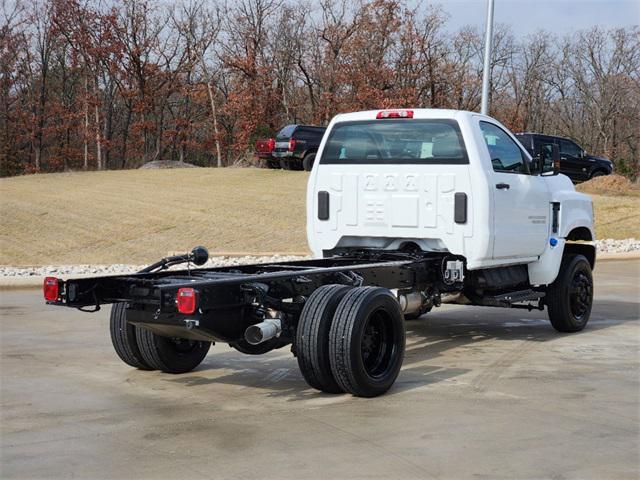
(571,162)
(520,200)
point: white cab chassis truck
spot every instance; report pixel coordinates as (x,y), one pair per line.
(406,210)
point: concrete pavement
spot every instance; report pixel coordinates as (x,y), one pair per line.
(484,393)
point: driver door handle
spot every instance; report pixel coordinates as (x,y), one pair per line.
(501,186)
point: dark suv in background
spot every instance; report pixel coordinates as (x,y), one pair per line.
(296,146)
(575,162)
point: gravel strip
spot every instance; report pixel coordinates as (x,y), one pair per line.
(604,246)
(62,270)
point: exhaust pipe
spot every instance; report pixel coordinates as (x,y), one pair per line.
(411,302)
(256,334)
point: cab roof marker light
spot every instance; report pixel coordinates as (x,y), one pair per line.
(394,114)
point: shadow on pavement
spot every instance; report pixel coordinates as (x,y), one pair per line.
(427,339)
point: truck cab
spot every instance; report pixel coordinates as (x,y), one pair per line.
(441,180)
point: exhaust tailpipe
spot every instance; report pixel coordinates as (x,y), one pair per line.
(256,334)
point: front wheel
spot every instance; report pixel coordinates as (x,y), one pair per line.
(570,297)
(367,341)
(599,173)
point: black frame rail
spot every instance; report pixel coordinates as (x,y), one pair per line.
(224,287)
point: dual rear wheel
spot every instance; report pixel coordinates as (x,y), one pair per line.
(145,350)
(351,340)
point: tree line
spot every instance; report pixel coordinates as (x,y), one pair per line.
(89,84)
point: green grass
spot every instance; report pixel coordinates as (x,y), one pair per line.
(138,216)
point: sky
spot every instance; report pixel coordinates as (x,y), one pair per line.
(557,16)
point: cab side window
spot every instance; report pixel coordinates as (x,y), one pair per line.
(506,155)
(569,148)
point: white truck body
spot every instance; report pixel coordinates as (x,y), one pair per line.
(381,200)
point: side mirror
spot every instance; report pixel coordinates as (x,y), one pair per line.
(547,163)
(553,168)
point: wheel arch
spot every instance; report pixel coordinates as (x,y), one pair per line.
(586,249)
(580,233)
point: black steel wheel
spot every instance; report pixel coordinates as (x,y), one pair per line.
(123,338)
(367,341)
(307,161)
(171,354)
(312,337)
(570,297)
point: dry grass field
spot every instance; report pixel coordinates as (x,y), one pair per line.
(139,216)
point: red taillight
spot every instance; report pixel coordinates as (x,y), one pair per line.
(292,144)
(395,114)
(186,300)
(51,289)
(271,144)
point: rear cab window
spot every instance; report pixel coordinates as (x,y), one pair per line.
(286,132)
(395,141)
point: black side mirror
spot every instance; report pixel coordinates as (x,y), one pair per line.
(554,167)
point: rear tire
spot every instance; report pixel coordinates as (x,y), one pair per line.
(123,338)
(307,162)
(570,297)
(171,355)
(367,341)
(285,164)
(312,337)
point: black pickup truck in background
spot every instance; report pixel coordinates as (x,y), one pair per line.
(575,162)
(296,146)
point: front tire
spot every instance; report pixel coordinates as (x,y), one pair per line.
(367,341)
(123,338)
(570,297)
(312,337)
(171,355)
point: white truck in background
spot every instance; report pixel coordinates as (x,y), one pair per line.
(406,210)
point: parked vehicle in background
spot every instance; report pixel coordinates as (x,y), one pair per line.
(297,145)
(264,151)
(575,162)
